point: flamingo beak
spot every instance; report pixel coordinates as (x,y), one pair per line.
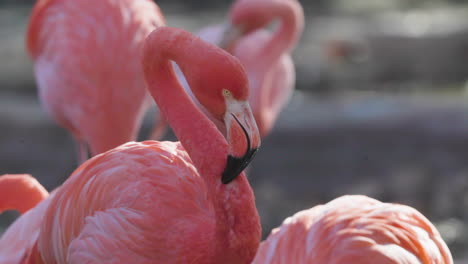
(230,34)
(242,136)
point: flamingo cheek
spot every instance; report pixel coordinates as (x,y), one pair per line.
(242,136)
(237,139)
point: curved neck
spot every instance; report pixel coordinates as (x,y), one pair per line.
(20,192)
(201,139)
(269,53)
(291,23)
(237,221)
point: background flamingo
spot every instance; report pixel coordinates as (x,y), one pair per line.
(86,62)
(264,55)
(355,229)
(20,192)
(166,202)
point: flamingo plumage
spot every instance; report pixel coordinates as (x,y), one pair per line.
(355,229)
(87,67)
(20,192)
(166,202)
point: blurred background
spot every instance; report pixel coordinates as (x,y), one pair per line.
(380,108)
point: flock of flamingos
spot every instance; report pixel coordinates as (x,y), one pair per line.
(187,201)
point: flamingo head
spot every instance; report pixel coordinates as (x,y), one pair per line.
(219,83)
(221,87)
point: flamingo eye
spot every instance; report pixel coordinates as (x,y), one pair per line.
(226,93)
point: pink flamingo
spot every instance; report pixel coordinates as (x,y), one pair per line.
(355,229)
(264,55)
(20,192)
(166,202)
(86,62)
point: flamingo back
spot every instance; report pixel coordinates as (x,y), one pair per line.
(141,199)
(87,65)
(355,229)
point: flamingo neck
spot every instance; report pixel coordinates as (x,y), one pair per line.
(203,142)
(20,192)
(291,22)
(237,222)
(267,56)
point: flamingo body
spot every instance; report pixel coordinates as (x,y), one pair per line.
(87,65)
(355,229)
(162,214)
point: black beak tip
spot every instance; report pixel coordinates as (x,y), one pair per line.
(235,165)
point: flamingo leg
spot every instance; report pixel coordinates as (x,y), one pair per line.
(82,153)
(159,128)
